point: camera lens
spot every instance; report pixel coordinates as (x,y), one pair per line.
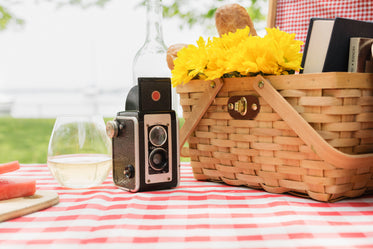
(158,159)
(158,135)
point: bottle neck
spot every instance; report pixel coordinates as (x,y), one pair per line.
(154,22)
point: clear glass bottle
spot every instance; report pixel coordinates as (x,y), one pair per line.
(150,60)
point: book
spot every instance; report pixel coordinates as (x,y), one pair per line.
(334,34)
(336,59)
(360,55)
(316,45)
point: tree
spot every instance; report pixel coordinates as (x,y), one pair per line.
(8,18)
(187,11)
(202,13)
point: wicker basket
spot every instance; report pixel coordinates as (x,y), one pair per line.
(309,135)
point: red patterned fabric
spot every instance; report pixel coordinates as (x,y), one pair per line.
(195,215)
(293,16)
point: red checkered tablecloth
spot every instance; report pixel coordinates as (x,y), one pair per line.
(293,16)
(195,215)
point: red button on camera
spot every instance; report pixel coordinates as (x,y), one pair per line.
(156,95)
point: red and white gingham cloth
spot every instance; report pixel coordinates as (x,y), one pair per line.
(293,16)
(194,215)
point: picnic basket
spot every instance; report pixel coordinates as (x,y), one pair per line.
(304,134)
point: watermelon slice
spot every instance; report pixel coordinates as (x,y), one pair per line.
(8,167)
(11,187)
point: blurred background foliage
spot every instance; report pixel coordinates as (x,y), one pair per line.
(26,140)
(188,12)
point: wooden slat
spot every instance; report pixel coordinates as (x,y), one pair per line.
(306,132)
(342,110)
(330,80)
(319,101)
(272,10)
(198,111)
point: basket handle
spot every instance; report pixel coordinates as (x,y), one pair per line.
(305,131)
(199,109)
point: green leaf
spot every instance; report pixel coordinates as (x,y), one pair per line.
(188,12)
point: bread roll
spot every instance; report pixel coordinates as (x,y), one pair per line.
(172,54)
(231,17)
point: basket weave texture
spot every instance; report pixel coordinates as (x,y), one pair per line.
(266,153)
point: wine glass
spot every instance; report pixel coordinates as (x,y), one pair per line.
(79,151)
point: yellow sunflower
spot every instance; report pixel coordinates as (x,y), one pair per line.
(238,55)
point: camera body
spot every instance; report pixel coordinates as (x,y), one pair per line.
(145,139)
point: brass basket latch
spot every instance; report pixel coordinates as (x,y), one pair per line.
(243,107)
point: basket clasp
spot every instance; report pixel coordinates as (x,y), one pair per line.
(243,107)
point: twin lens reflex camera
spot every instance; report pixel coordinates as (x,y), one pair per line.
(145,140)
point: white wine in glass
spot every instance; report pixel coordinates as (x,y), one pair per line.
(79,152)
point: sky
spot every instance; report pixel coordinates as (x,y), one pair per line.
(73,48)
(70,47)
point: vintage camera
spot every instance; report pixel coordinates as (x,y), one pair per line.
(145,138)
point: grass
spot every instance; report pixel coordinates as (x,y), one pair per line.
(26,140)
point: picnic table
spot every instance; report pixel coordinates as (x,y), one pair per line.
(196,214)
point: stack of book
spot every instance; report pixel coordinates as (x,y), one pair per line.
(338,45)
